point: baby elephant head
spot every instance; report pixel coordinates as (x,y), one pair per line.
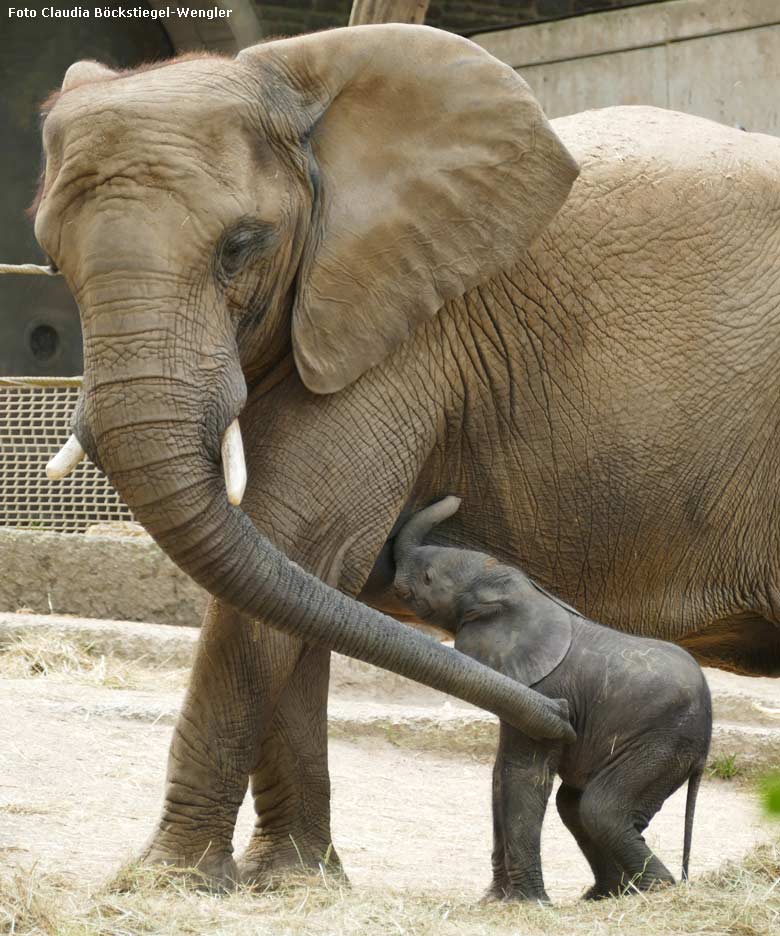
(429,579)
(499,616)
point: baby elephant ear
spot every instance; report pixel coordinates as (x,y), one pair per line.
(526,650)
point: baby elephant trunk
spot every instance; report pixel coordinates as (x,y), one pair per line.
(415,530)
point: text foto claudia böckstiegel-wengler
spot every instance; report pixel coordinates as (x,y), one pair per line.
(106,12)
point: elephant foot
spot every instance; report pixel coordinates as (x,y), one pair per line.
(494,894)
(506,892)
(523,893)
(596,893)
(207,868)
(624,889)
(269,865)
(516,896)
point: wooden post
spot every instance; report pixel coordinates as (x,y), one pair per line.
(388,11)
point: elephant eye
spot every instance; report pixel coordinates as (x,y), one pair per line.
(241,244)
(428,577)
(232,252)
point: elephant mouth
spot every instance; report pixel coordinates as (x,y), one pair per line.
(423,609)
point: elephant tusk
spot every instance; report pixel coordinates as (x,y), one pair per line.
(61,465)
(34,269)
(233,463)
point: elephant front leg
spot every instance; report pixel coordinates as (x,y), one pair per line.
(291,783)
(239,673)
(527,769)
(499,885)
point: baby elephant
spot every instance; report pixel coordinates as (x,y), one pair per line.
(641,710)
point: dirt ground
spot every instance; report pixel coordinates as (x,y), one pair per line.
(80,789)
(86,709)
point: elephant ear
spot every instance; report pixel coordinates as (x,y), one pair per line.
(85,72)
(525,647)
(435,168)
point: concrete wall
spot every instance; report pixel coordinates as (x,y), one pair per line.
(125,578)
(229,34)
(714,58)
(288,17)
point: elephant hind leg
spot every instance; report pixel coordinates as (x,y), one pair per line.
(607,874)
(614,820)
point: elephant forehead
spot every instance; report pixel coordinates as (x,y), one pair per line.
(154,108)
(162,140)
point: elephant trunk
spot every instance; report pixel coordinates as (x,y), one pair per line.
(414,531)
(155,429)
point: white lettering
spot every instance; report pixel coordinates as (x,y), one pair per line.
(73,13)
(213,13)
(120,12)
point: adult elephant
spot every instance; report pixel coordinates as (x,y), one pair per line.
(273,237)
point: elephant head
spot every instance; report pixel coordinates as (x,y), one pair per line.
(429,579)
(313,199)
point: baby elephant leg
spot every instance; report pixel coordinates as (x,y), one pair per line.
(499,886)
(605,871)
(526,770)
(614,814)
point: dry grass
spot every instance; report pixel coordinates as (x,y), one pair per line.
(26,905)
(741,900)
(48,655)
(22,809)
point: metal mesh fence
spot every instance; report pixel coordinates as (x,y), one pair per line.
(34,423)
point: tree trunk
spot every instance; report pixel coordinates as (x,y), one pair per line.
(388,11)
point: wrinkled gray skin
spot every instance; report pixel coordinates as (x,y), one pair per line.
(641,709)
(337,237)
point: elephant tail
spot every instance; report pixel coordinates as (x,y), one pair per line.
(690,808)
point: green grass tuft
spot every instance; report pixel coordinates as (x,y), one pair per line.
(770,793)
(724,767)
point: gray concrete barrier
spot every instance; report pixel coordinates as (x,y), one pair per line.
(119,577)
(714,58)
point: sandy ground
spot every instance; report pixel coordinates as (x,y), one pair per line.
(80,790)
